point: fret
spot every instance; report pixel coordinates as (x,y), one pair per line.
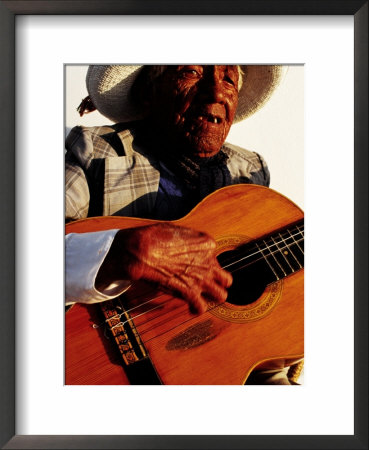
(301,230)
(277,255)
(283,251)
(268,262)
(297,244)
(282,254)
(296,240)
(274,254)
(294,261)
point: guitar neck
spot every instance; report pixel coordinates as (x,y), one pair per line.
(282,253)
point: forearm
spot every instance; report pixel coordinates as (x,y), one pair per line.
(84,256)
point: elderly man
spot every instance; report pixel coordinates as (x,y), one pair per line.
(166,152)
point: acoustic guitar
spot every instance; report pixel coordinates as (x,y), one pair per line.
(149,337)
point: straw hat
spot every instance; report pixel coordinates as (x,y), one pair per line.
(109,88)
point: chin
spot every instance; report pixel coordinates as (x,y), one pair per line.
(203,148)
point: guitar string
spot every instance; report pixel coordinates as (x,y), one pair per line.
(129,310)
(144,313)
(184,308)
(155,298)
(274,244)
(224,266)
(181,310)
(180,324)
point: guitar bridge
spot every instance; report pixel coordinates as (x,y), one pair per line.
(124,332)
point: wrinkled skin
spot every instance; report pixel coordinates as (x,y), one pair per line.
(177,259)
(191,109)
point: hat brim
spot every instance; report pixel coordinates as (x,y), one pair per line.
(109,87)
(259,83)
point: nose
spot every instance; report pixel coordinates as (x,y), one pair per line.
(212,88)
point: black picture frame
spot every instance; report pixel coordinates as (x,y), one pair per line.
(8,10)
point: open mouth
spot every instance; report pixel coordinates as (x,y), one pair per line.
(209,118)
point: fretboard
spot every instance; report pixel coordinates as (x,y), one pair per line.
(281,253)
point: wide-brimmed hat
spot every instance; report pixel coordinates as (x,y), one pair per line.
(109,90)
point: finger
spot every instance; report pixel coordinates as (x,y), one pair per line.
(199,288)
(211,282)
(223,277)
(191,293)
(197,304)
(213,291)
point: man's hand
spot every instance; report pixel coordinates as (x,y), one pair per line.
(177,259)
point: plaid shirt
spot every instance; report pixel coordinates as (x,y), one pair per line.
(107,173)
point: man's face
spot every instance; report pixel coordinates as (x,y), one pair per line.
(194,107)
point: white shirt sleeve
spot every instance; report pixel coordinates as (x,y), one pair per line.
(84,254)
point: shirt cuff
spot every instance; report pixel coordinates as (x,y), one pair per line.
(84,254)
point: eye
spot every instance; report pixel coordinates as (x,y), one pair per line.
(190,74)
(229,80)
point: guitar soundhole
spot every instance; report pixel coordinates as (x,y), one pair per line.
(249,280)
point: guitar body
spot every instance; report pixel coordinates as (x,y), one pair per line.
(219,347)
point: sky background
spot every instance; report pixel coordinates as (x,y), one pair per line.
(276,131)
